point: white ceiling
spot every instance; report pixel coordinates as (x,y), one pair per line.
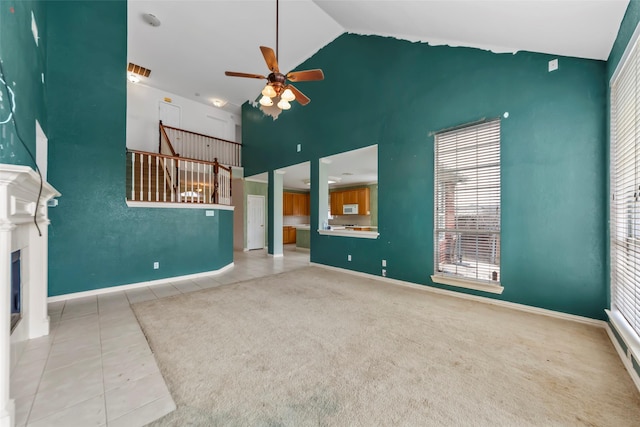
(352,167)
(580,28)
(198,40)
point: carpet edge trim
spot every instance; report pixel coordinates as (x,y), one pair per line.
(119,288)
(506,304)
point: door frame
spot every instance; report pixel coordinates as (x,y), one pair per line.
(255,198)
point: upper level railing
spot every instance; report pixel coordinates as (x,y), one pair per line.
(195,145)
(153,177)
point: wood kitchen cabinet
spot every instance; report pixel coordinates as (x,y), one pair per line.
(288,234)
(336,202)
(296,204)
(287,203)
(359,196)
(364,204)
(350,197)
(307,205)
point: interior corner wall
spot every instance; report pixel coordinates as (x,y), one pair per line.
(238,201)
(95,240)
(553,143)
(143,116)
(627,27)
(24,66)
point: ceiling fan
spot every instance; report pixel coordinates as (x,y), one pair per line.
(277,88)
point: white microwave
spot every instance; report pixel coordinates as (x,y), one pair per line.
(350,209)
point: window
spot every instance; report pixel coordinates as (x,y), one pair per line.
(467,206)
(625,190)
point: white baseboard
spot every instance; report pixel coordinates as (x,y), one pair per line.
(276,255)
(626,361)
(507,304)
(120,288)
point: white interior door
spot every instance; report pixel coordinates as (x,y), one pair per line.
(169,114)
(255,222)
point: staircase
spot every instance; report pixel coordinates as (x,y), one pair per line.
(149,178)
(170,178)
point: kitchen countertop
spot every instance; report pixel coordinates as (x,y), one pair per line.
(351,227)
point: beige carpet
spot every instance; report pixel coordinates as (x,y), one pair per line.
(320,348)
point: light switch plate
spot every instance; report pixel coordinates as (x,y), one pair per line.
(209,213)
(553,65)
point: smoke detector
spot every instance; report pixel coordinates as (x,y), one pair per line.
(151,19)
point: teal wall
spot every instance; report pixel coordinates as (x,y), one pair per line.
(553,145)
(95,240)
(627,27)
(23,63)
(256,189)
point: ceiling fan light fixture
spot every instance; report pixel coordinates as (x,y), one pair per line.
(269,91)
(266,101)
(287,95)
(284,104)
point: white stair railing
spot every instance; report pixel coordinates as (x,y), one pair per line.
(154,177)
(202,147)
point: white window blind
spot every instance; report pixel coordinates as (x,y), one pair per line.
(467,203)
(625,191)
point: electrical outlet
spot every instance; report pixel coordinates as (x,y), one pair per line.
(384,262)
(299,148)
(384,272)
(348,257)
(156,265)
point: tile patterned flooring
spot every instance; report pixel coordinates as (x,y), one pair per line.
(95,368)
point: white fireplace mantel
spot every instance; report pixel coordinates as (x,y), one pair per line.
(19,188)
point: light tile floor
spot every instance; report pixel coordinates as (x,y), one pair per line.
(95,368)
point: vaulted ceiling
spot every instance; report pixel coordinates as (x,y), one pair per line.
(198,40)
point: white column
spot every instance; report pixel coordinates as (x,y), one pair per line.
(37,316)
(277,212)
(323,192)
(6,404)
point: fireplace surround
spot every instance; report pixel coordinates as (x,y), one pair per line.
(19,187)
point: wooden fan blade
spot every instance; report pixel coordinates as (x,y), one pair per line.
(300,97)
(305,76)
(251,76)
(270,59)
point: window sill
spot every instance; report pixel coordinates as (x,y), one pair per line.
(629,336)
(350,233)
(176,205)
(469,284)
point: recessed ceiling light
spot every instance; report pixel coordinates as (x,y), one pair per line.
(219,102)
(133,78)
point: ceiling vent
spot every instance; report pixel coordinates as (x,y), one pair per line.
(136,69)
